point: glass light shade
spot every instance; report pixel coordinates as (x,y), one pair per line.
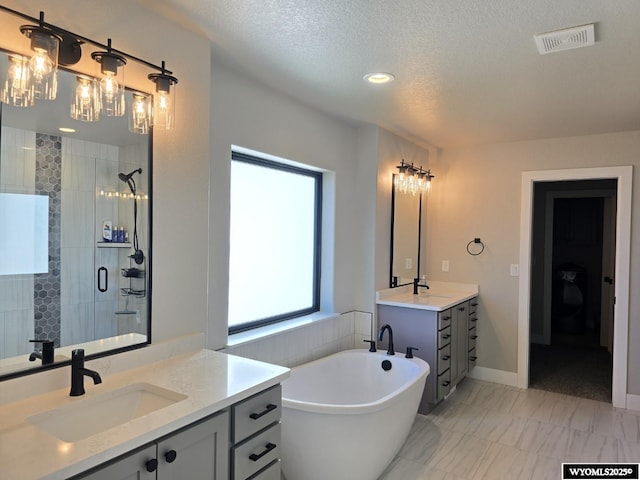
(17,90)
(164,109)
(44,63)
(112,84)
(85,104)
(140,114)
(112,95)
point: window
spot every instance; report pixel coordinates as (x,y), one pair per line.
(274,253)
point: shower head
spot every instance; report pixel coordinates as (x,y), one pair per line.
(127,178)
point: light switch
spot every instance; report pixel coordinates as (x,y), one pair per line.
(515,270)
(445,265)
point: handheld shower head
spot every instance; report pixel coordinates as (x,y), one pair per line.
(127,178)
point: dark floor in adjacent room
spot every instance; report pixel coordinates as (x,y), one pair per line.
(571,370)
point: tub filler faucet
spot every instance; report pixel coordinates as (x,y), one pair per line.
(381,333)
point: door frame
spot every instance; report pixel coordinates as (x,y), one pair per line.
(624,176)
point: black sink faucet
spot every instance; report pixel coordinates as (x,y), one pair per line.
(416,284)
(78,372)
(381,333)
(46,354)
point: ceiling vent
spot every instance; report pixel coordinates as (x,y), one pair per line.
(565,39)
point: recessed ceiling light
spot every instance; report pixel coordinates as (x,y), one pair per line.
(379,77)
(67,130)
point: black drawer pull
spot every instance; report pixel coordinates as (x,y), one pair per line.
(446,383)
(473,319)
(255,456)
(255,416)
(474,304)
(446,336)
(446,318)
(151,465)
(473,337)
(462,309)
(446,357)
(473,359)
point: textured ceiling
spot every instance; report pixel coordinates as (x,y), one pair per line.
(467,72)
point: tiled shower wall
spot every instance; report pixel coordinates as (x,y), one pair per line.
(17,175)
(310,342)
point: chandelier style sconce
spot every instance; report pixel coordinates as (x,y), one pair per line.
(413,180)
(30,79)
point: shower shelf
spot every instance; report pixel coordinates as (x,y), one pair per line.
(114,245)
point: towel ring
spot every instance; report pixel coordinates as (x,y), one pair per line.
(478,241)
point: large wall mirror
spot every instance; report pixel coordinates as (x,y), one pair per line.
(63,195)
(406,214)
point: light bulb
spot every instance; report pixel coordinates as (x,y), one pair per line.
(109,86)
(40,64)
(17,89)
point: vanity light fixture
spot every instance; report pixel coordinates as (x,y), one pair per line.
(379,77)
(411,179)
(112,83)
(164,99)
(43,66)
(36,78)
(17,89)
(85,103)
(140,113)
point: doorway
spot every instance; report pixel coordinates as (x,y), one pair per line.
(624,177)
(571,306)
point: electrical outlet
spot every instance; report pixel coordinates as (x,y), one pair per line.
(445,265)
(515,270)
(408,263)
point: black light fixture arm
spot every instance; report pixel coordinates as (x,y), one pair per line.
(66,33)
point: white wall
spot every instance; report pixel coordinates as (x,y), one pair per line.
(477,194)
(245,113)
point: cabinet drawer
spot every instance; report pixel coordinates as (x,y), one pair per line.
(473,320)
(255,453)
(256,413)
(272,472)
(444,319)
(472,338)
(444,385)
(444,358)
(444,337)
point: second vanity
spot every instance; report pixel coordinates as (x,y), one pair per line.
(441,323)
(204,414)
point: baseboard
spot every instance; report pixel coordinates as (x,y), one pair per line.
(495,376)
(633,402)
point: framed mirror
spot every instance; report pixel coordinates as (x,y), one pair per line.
(406,226)
(75,243)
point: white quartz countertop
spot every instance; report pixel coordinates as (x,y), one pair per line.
(211,381)
(440,296)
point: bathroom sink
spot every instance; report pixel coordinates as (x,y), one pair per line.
(93,415)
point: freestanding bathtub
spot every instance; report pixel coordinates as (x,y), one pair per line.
(344,417)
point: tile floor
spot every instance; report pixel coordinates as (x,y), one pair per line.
(486,431)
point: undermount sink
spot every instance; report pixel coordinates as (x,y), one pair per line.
(97,414)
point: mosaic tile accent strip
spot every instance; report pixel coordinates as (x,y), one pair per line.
(46,294)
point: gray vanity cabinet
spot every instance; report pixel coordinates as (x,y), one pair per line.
(443,340)
(197,452)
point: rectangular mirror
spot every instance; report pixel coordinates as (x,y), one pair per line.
(61,194)
(406,215)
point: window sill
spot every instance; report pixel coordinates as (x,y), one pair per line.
(256,334)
